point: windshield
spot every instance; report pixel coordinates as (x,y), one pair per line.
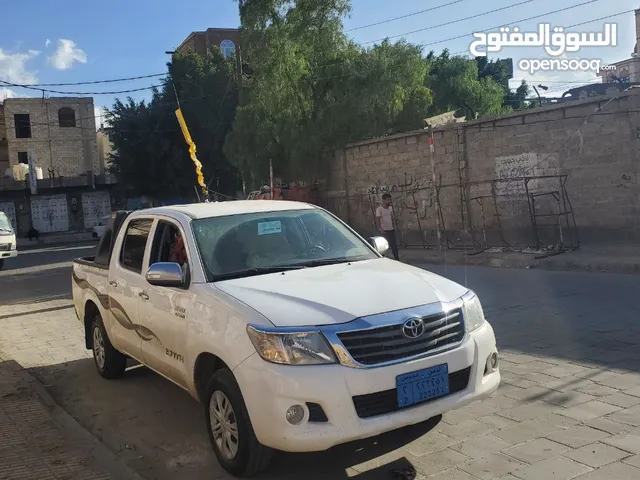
(257,243)
(5,223)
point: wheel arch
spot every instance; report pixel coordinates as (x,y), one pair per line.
(205,366)
(91,310)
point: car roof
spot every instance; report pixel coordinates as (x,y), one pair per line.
(222,209)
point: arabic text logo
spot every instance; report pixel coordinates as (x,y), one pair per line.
(554,40)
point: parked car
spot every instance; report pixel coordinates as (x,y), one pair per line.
(8,247)
(98,230)
(294,331)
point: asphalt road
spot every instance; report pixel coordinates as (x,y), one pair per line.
(39,275)
(571,383)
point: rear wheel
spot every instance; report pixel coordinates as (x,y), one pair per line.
(109,362)
(232,437)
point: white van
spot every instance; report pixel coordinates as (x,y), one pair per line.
(7,239)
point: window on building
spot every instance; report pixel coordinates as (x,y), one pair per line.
(23,157)
(228,48)
(23,125)
(134,244)
(66,117)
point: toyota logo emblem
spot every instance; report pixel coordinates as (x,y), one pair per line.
(413,328)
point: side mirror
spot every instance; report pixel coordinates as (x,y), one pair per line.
(166,274)
(380,244)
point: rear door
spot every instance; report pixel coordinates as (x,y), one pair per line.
(125,289)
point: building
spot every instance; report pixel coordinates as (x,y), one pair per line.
(226,39)
(69,191)
(60,134)
(628,71)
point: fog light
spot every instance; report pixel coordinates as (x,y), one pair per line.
(494,360)
(492,363)
(295,414)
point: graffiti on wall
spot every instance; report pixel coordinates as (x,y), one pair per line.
(399,187)
(528,164)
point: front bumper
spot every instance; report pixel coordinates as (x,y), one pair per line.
(8,254)
(269,390)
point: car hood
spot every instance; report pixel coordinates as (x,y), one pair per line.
(340,293)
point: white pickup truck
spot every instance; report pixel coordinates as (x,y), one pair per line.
(7,239)
(294,332)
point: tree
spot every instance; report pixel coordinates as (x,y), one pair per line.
(150,154)
(313,90)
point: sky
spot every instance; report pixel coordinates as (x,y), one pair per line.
(76,41)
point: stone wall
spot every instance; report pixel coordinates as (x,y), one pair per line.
(67,151)
(484,178)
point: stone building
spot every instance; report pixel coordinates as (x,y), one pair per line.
(72,192)
(59,132)
(200,42)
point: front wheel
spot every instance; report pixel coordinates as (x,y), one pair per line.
(232,437)
(110,363)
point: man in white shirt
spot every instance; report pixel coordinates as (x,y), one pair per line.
(384,222)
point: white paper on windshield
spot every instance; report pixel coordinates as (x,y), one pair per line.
(267,228)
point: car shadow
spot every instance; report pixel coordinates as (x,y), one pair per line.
(159,430)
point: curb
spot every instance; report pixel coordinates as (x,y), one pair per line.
(102,458)
(557,263)
(25,245)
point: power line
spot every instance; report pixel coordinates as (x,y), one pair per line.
(324,77)
(351,74)
(46,90)
(114,80)
(451,22)
(403,16)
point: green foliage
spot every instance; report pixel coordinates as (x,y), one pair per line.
(150,154)
(307,89)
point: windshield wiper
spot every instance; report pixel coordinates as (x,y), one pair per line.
(252,272)
(332,261)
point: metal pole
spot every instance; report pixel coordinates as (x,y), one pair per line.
(434,180)
(271,177)
(538,93)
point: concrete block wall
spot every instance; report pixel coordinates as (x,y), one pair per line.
(598,151)
(70,151)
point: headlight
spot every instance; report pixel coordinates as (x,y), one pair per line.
(472,311)
(291,348)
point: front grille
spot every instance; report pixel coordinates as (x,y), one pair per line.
(382,403)
(5,247)
(386,344)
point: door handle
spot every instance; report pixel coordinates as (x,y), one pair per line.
(143,295)
(113,284)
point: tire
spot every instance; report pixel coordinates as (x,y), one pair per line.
(251,457)
(109,362)
(1,263)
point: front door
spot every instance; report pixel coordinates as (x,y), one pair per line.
(125,289)
(166,311)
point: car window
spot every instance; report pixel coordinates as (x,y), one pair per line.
(168,245)
(5,223)
(303,238)
(135,241)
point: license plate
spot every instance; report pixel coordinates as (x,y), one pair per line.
(422,385)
